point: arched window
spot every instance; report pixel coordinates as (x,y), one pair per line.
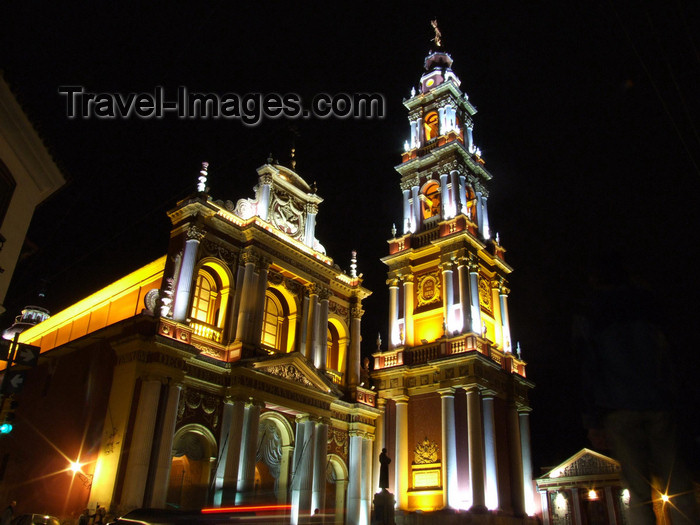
(206,298)
(332,339)
(431,126)
(431,200)
(272,320)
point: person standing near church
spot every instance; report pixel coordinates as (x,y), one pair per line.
(6,517)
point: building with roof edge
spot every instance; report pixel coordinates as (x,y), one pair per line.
(28,175)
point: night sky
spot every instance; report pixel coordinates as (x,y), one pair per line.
(587,117)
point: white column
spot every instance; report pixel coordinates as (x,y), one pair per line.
(441,121)
(492,502)
(476,448)
(233,313)
(415,133)
(184,281)
(408,338)
(366,495)
(246,312)
(505,321)
(322,343)
(318,497)
(401,453)
(355,475)
(448,297)
(577,505)
(259,307)
(355,338)
(544,500)
(249,443)
(378,442)
(234,436)
(303,322)
(312,323)
(464,299)
(463,194)
(165,448)
(141,444)
(524,416)
(310,229)
(480,214)
(474,293)
(486,231)
(300,448)
(444,197)
(516,461)
(406,211)
(449,449)
(610,505)
(305,472)
(416,209)
(264,201)
(394,339)
(456,205)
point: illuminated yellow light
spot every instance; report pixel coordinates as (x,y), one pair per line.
(664,498)
(592,494)
(123,286)
(75,466)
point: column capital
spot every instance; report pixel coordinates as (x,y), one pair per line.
(446,392)
(231,399)
(195,233)
(264,263)
(393,282)
(408,278)
(257,403)
(313,289)
(401,399)
(503,287)
(446,266)
(266,178)
(324,293)
(249,256)
(357,312)
(311,208)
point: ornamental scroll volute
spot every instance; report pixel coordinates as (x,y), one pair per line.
(429,289)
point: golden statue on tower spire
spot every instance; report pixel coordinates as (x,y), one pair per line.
(438,36)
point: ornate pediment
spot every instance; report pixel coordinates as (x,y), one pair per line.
(584,463)
(294,368)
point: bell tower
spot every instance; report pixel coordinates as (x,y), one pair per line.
(449,381)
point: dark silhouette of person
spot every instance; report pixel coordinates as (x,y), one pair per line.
(6,516)
(384,461)
(627,388)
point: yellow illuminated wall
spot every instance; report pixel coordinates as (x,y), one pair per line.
(116,302)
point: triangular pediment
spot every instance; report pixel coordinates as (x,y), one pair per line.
(586,462)
(293,367)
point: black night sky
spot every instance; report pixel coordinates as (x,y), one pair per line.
(588,120)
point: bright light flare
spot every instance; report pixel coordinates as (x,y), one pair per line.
(75,467)
(592,495)
(665,498)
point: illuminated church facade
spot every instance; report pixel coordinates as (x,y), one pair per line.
(228,371)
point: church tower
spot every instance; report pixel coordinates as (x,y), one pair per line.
(454,392)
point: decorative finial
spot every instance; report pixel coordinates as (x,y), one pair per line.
(379,341)
(293,160)
(438,36)
(203,174)
(498,238)
(314,189)
(517,349)
(406,146)
(269,158)
(353,264)
(413,91)
(393,230)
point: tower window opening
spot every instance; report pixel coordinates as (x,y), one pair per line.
(431,126)
(205,307)
(431,201)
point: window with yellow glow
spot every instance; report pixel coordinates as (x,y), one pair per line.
(332,341)
(431,126)
(431,201)
(271,321)
(205,301)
